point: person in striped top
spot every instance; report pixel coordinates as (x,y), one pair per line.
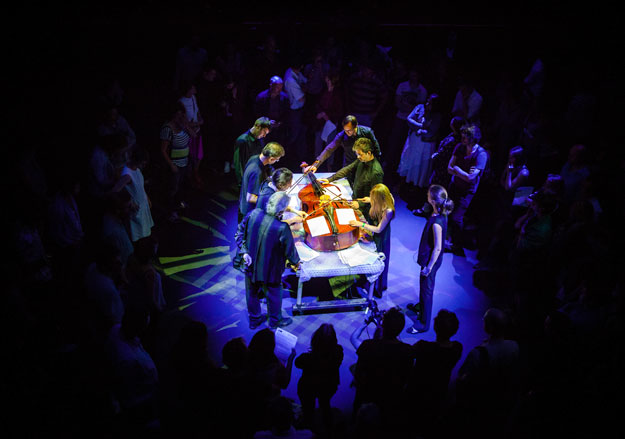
(175,150)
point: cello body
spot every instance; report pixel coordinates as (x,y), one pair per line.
(316,204)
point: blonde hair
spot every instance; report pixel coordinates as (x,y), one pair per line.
(381,200)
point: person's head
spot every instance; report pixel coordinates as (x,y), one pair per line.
(577,155)
(275,85)
(111,114)
(456,123)
(495,322)
(465,86)
(413,77)
(272,152)
(445,324)
(113,144)
(281,415)
(187,88)
(439,199)
(381,199)
(192,341)
(516,156)
(349,124)
(209,73)
(366,71)
(543,202)
(139,158)
(363,148)
(393,323)
(323,339)
(119,204)
(178,114)
(146,249)
(235,354)
(554,184)
(135,320)
(261,127)
(277,203)
(332,79)
(262,344)
(432,102)
(282,178)
(470,135)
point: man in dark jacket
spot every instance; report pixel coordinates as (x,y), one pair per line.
(266,244)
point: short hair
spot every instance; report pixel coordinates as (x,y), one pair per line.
(275,80)
(393,323)
(495,322)
(277,203)
(273,149)
(323,340)
(234,354)
(349,119)
(446,323)
(259,124)
(363,144)
(472,132)
(139,155)
(281,177)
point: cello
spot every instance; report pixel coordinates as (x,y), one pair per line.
(316,204)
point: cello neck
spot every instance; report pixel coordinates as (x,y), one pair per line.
(318,189)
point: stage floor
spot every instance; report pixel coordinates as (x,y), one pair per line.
(201,284)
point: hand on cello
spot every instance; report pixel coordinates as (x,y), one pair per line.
(306,168)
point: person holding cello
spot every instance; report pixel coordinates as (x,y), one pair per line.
(363,174)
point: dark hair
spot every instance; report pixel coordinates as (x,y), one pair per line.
(446,324)
(393,323)
(175,108)
(262,346)
(323,340)
(495,322)
(457,122)
(144,251)
(472,132)
(363,144)
(185,86)
(281,177)
(349,119)
(441,199)
(139,155)
(235,354)
(519,154)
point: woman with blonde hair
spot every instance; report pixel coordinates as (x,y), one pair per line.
(382,211)
(430,255)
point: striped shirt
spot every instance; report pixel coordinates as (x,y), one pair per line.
(178,145)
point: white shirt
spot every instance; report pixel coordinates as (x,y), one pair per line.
(190,106)
(473,106)
(293,82)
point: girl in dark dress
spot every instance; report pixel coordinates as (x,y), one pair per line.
(431,255)
(382,211)
(320,374)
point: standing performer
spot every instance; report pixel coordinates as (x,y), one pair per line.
(257,170)
(352,132)
(382,212)
(363,173)
(248,144)
(431,255)
(266,244)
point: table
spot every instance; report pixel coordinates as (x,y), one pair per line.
(328,264)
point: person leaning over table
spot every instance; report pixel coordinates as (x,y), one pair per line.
(363,174)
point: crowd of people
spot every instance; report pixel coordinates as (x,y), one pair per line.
(527,184)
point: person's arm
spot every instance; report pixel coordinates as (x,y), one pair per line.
(436,251)
(327,151)
(165,154)
(375,145)
(355,337)
(415,118)
(344,172)
(285,379)
(512,183)
(240,239)
(474,172)
(386,218)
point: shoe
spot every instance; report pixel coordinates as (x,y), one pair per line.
(420,212)
(413,330)
(285,321)
(377,294)
(414,307)
(256,323)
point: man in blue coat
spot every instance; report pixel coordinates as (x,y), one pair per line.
(266,244)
